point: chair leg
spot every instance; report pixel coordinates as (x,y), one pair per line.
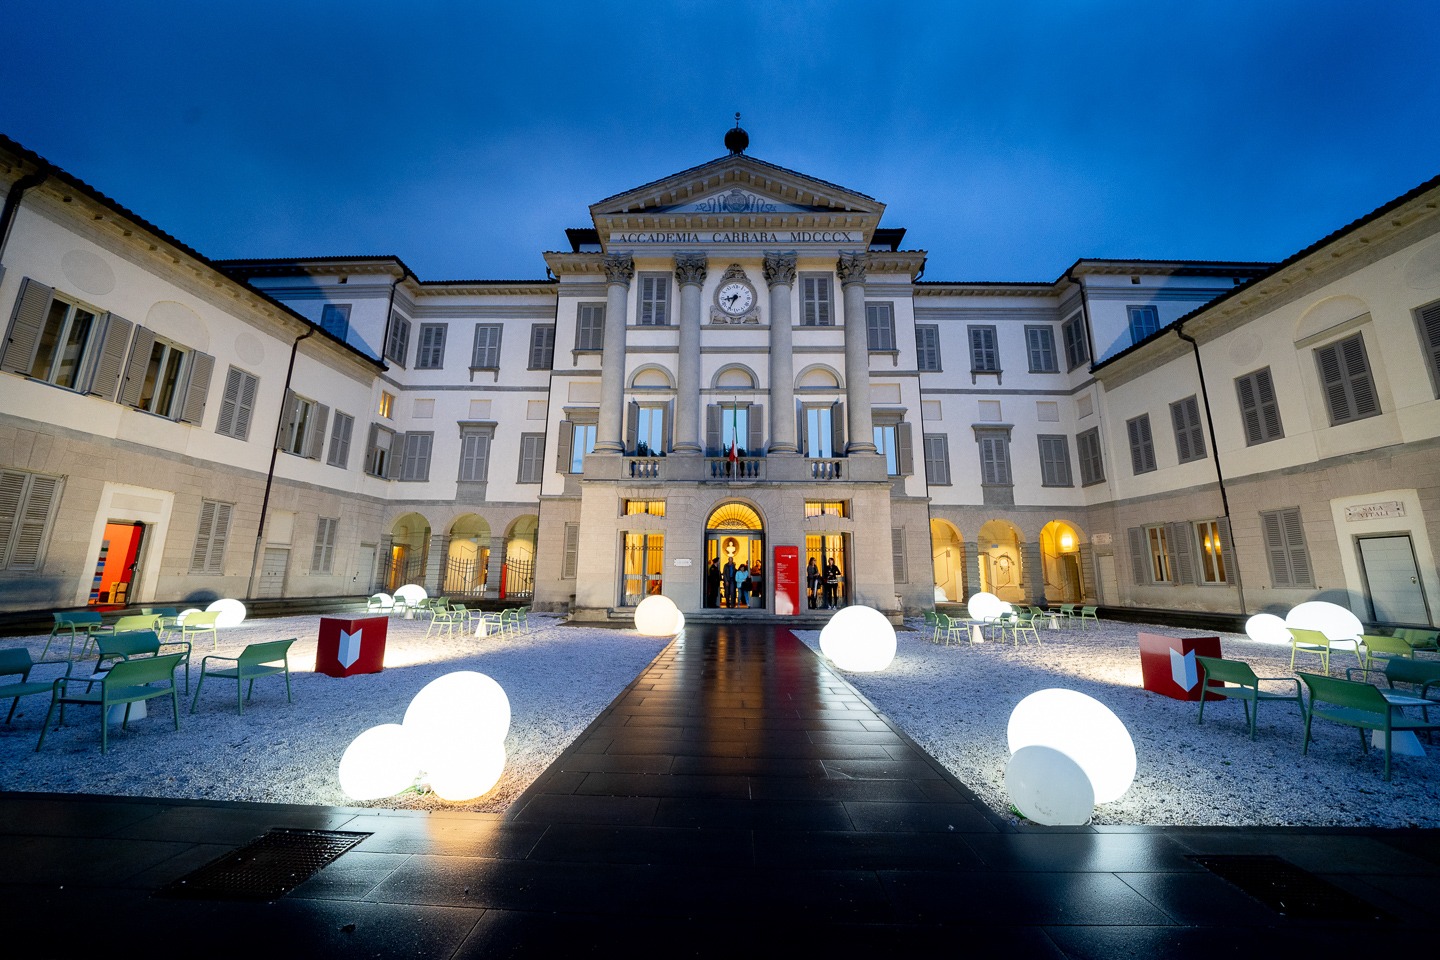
(288,698)
(174,704)
(198,684)
(46,725)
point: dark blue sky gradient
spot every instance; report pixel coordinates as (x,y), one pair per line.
(1010,139)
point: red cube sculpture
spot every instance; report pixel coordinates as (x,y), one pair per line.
(1168,665)
(348,647)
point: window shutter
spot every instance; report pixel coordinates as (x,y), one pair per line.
(26,324)
(837,428)
(395,462)
(1227,553)
(245,406)
(12,488)
(1357,373)
(802,438)
(317,558)
(1269,410)
(1180,540)
(989,461)
(1294,534)
(201,553)
(632,427)
(229,401)
(219,535)
(319,420)
(1332,381)
(756,424)
(1182,432)
(1275,551)
(670,425)
(1139,557)
(197,389)
(291,412)
(571,564)
(372,447)
(542,347)
(712,430)
(1142,447)
(567,441)
(904,449)
(897,554)
(1429,320)
(35,513)
(340,440)
(135,371)
(110,359)
(937,460)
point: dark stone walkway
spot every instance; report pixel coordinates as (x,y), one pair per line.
(738,793)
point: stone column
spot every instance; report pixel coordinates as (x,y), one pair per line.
(438,564)
(861,434)
(780,275)
(619,268)
(972,570)
(497,561)
(384,563)
(1032,570)
(689,277)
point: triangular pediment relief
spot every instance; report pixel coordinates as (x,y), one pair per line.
(738,200)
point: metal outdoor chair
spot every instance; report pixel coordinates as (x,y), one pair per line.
(257,660)
(125,683)
(1236,680)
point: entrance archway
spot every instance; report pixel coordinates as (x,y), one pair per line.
(409,545)
(947,549)
(734,544)
(467,568)
(1060,555)
(1001,571)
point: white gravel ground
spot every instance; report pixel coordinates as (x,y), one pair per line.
(954,701)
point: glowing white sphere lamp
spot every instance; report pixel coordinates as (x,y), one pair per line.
(378,763)
(1331,619)
(1083,729)
(232,612)
(985,606)
(411,593)
(1267,628)
(679,622)
(858,639)
(180,618)
(657,616)
(383,600)
(1048,787)
(470,773)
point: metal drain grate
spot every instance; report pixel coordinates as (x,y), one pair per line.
(266,868)
(1288,890)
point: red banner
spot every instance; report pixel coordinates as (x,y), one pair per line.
(787,580)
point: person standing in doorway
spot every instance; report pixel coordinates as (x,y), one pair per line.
(712,583)
(729,582)
(757,584)
(832,584)
(812,581)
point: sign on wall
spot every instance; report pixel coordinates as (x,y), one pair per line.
(787,580)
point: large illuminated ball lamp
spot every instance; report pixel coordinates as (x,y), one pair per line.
(657,616)
(457,724)
(232,612)
(411,593)
(858,639)
(1083,729)
(180,618)
(985,606)
(1048,787)
(1331,619)
(383,600)
(1267,628)
(378,763)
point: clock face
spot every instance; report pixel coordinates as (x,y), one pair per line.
(736,298)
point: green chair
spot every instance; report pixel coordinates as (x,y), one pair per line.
(1066,611)
(1358,705)
(1023,621)
(1215,673)
(202,621)
(932,624)
(949,628)
(1420,638)
(169,618)
(136,621)
(1378,648)
(1419,674)
(1088,615)
(445,618)
(126,682)
(255,661)
(138,643)
(1309,641)
(17,663)
(522,617)
(83,621)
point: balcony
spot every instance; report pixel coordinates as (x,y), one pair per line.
(691,469)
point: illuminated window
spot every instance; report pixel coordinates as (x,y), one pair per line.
(1212,552)
(654,508)
(387,404)
(827,508)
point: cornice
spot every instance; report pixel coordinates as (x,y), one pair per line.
(571,264)
(788,186)
(1022,288)
(909,262)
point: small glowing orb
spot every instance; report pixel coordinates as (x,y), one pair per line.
(1267,628)
(858,639)
(180,618)
(657,616)
(1083,729)
(1048,787)
(468,772)
(940,595)
(378,763)
(985,606)
(679,621)
(383,600)
(411,593)
(1331,619)
(232,612)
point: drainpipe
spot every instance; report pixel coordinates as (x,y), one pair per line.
(274,453)
(12,203)
(1215,452)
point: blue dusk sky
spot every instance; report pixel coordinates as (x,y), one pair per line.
(1009,138)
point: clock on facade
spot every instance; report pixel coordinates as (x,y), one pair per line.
(735,298)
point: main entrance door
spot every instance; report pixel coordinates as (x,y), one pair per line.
(1393,578)
(735,571)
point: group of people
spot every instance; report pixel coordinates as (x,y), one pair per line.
(823,586)
(739,583)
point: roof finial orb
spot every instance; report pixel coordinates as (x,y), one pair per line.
(736,140)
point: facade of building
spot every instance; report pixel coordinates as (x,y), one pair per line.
(731,362)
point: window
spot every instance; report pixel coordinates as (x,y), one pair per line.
(166,379)
(644,567)
(1040,345)
(897,555)
(1077,346)
(397,343)
(927,347)
(1159,554)
(1189,435)
(387,405)
(323,559)
(542,346)
(937,459)
(486,355)
(654,300)
(335,319)
(430,354)
(1142,445)
(64,343)
(532,448)
(1055,461)
(210,537)
(1213,536)
(827,508)
(1092,465)
(892,441)
(378,459)
(1143,322)
(816,306)
(28,502)
(645,428)
(1258,408)
(728,425)
(474,453)
(590,327)
(1285,550)
(653,508)
(1345,378)
(1427,324)
(415,461)
(984,353)
(880,327)
(570,565)
(582,442)
(821,429)
(302,432)
(340,440)
(237,404)
(994,457)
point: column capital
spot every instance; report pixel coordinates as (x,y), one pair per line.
(691,268)
(619,268)
(780,267)
(851,266)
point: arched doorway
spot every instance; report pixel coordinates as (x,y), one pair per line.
(467,568)
(517,579)
(1000,564)
(734,543)
(409,543)
(1060,554)
(947,549)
